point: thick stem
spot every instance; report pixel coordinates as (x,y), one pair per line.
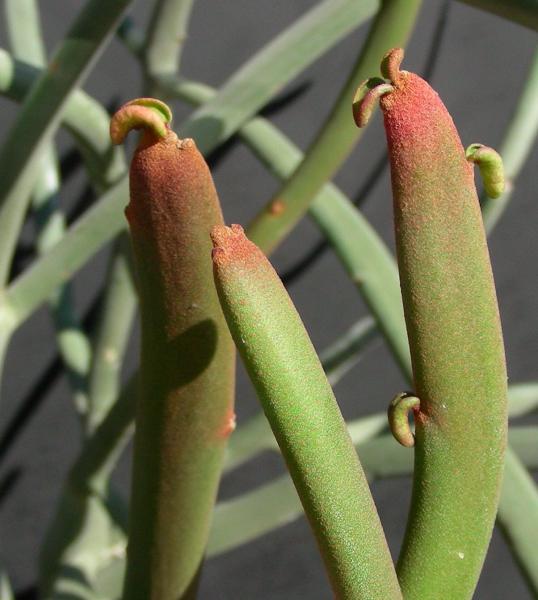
(185,405)
(275,504)
(456,344)
(300,406)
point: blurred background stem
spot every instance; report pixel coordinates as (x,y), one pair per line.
(23,26)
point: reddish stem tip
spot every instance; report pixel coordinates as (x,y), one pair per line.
(229,242)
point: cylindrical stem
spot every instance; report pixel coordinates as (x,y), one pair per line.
(185,406)
(300,406)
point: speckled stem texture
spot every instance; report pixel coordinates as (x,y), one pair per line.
(456,346)
(185,407)
(305,418)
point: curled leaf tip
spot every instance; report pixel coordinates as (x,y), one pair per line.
(142,113)
(390,64)
(491,168)
(398,414)
(366,97)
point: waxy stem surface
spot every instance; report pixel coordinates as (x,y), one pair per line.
(455,341)
(302,411)
(185,405)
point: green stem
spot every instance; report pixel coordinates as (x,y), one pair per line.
(186,395)
(244,519)
(305,40)
(112,334)
(305,419)
(455,337)
(82,527)
(274,150)
(40,116)
(275,504)
(24,31)
(105,222)
(22,17)
(99,453)
(523,12)
(255,435)
(165,38)
(335,140)
(522,399)
(272,67)
(518,516)
(104,162)
(69,540)
(6,593)
(98,225)
(517,143)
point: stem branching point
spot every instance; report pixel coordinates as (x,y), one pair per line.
(491,168)
(142,113)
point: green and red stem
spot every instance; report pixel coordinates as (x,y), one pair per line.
(454,336)
(185,405)
(302,411)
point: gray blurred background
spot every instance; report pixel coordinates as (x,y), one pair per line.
(479,73)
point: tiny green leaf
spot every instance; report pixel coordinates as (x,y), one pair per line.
(400,407)
(491,168)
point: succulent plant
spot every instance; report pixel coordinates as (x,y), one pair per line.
(203,288)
